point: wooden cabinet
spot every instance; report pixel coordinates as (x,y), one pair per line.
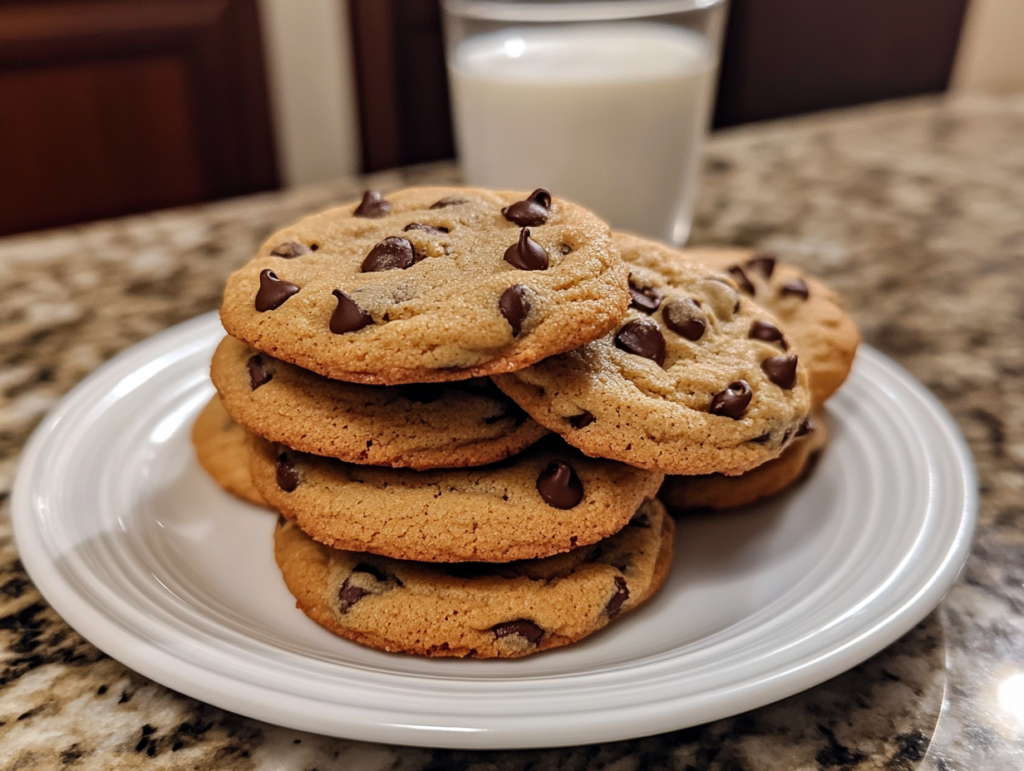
(108,108)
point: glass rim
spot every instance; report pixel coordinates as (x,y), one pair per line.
(584,10)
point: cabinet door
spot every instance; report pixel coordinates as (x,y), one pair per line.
(108,108)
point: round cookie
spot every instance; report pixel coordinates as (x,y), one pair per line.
(681,494)
(221,449)
(431,284)
(546,500)
(441,425)
(811,314)
(477,609)
(680,386)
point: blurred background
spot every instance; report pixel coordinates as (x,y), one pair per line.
(119,106)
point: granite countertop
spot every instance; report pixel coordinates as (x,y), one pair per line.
(914,211)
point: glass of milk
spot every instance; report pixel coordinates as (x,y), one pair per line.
(605,103)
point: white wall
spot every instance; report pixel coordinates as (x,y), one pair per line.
(991,55)
(312,88)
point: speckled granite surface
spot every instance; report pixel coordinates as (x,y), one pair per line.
(915,211)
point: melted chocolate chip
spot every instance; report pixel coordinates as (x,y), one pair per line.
(642,337)
(527,254)
(287,474)
(273,291)
(796,287)
(349,594)
(614,606)
(390,254)
(559,485)
(290,249)
(566,249)
(373,205)
(781,370)
(643,298)
(685,318)
(522,627)
(763,264)
(740,277)
(805,428)
(733,401)
(582,420)
(258,372)
(451,200)
(425,228)
(348,317)
(515,307)
(531,212)
(768,332)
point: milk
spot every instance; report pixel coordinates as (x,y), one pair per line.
(611,116)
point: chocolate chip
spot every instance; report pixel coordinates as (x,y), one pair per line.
(451,200)
(527,254)
(781,370)
(768,332)
(566,249)
(287,474)
(522,627)
(614,606)
(290,249)
(373,205)
(273,291)
(515,307)
(643,299)
(763,264)
(559,485)
(424,228)
(741,280)
(258,373)
(685,318)
(796,287)
(365,567)
(643,338)
(582,420)
(348,317)
(733,401)
(805,428)
(531,212)
(390,254)
(349,594)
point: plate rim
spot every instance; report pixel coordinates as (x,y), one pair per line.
(249,698)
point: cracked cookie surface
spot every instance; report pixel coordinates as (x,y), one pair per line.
(811,314)
(428,425)
(438,284)
(548,499)
(477,609)
(691,381)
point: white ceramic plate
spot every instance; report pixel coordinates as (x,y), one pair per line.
(139,551)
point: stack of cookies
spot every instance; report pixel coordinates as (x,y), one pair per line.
(463,404)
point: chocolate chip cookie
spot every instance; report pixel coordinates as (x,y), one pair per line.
(477,609)
(685,384)
(421,425)
(681,494)
(811,314)
(221,449)
(546,500)
(429,284)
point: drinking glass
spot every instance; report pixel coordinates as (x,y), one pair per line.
(605,103)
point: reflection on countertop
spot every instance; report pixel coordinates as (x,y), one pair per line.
(912,210)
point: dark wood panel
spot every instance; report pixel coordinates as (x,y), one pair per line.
(137,104)
(401,82)
(91,139)
(783,57)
